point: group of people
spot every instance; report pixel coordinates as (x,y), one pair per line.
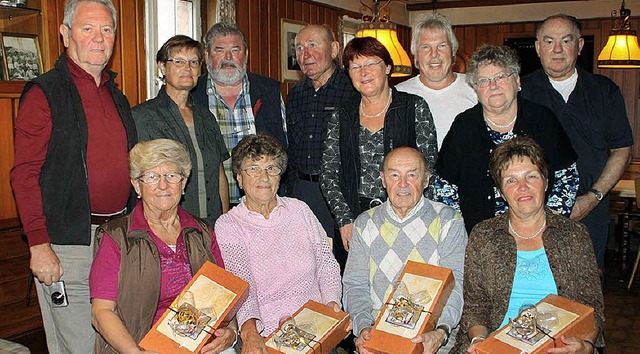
(484,173)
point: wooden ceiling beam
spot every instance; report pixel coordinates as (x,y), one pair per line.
(473,3)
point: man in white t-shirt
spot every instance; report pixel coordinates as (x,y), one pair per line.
(434,47)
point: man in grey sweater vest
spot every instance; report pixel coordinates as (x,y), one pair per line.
(407,226)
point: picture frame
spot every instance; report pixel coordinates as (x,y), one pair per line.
(289,68)
(21,56)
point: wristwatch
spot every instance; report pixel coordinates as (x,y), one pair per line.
(447,333)
(598,194)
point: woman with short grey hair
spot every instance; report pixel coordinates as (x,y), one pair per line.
(501,114)
(146,258)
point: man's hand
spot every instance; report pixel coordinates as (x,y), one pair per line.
(224,337)
(365,335)
(573,346)
(45,264)
(583,206)
(431,341)
(345,234)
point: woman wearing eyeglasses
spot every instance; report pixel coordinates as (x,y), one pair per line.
(500,115)
(274,243)
(173,115)
(145,259)
(362,132)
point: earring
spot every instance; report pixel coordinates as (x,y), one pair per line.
(139,196)
(183,192)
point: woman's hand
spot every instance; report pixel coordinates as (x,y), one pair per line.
(345,234)
(573,346)
(334,305)
(431,341)
(365,335)
(252,341)
(224,338)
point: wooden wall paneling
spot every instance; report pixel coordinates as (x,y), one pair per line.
(17,316)
(129,52)
(7,203)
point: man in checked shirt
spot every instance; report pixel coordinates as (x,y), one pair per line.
(309,105)
(244,103)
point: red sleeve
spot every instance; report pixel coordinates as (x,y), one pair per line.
(31,142)
(215,249)
(103,278)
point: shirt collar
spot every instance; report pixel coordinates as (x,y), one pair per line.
(245,212)
(412,212)
(329,82)
(79,73)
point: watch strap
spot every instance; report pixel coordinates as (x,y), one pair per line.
(447,333)
(599,194)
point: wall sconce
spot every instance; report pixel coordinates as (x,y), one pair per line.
(621,50)
(379,27)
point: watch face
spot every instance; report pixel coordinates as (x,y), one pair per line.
(598,194)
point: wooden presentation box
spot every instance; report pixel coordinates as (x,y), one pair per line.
(211,287)
(330,329)
(574,320)
(387,338)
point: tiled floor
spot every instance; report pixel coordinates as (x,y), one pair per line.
(622,309)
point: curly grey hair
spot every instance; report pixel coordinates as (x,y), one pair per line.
(488,54)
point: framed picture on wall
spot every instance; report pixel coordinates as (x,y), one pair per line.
(21,57)
(289,68)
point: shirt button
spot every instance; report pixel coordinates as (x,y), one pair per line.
(313,115)
(311,136)
(308,156)
(488,197)
(315,95)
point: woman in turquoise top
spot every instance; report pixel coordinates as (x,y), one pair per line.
(527,253)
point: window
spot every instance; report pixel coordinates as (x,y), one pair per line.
(165,19)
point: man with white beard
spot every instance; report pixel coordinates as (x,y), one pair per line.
(243,103)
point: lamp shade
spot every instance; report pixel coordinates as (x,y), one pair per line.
(386,33)
(621,51)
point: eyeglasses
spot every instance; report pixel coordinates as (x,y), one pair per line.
(358,68)
(485,82)
(154,178)
(181,63)
(256,171)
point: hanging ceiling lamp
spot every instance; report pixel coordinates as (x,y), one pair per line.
(621,50)
(379,27)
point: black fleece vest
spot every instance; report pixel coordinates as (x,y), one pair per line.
(63,178)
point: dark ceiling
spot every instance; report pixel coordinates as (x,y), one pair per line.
(418,5)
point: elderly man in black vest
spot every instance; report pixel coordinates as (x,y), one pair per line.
(72,135)
(243,103)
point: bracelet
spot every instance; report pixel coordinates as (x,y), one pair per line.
(479,338)
(592,345)
(237,333)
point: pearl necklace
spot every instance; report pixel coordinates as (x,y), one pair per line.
(386,106)
(527,237)
(498,125)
